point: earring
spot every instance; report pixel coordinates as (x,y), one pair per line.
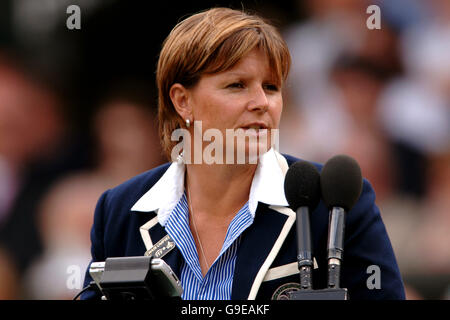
(180,158)
(188,123)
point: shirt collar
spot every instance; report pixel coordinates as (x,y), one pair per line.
(267,187)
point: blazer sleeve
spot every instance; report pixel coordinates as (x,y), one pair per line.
(97,245)
(370,269)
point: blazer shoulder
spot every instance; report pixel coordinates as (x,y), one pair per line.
(291,160)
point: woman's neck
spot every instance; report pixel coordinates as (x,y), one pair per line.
(219,190)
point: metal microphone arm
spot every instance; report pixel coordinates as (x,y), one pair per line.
(335,246)
(304,257)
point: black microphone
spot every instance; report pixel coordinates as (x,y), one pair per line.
(341,185)
(302,191)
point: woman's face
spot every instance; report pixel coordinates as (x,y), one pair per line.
(243,97)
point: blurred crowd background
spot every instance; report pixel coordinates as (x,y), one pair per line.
(77,116)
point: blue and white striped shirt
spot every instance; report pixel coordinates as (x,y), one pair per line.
(218,281)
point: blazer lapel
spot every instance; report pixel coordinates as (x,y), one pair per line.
(151,232)
(259,246)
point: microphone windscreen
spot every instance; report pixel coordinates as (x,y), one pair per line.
(341,182)
(302,185)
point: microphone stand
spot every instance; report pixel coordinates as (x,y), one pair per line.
(304,256)
(335,246)
(335,253)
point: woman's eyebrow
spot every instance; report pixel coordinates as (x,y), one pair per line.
(235,73)
(243,74)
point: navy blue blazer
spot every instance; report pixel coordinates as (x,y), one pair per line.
(266,257)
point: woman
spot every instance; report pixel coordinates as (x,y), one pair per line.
(223,70)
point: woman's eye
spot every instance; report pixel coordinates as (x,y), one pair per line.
(271,87)
(236,85)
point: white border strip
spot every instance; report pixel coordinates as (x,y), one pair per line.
(285,270)
(273,253)
(281,271)
(145,234)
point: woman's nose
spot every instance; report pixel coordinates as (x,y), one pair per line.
(258,100)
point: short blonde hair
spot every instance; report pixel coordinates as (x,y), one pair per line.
(211,41)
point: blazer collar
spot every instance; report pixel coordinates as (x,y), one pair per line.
(165,194)
(267,187)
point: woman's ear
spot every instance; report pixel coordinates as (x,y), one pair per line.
(180,99)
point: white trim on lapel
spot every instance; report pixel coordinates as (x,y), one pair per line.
(285,270)
(145,234)
(281,271)
(275,249)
